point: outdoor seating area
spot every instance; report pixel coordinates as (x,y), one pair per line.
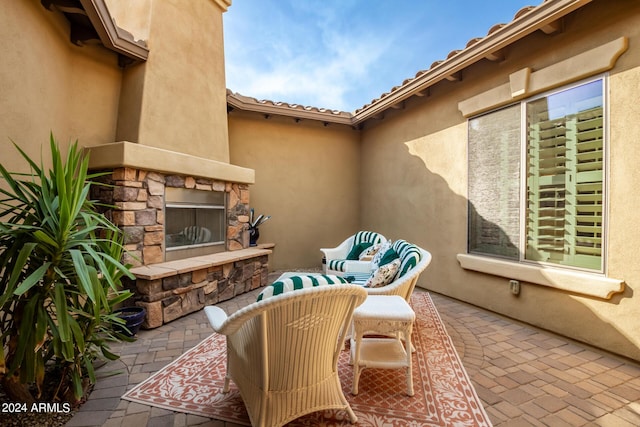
(384,267)
(285,348)
(457,250)
(522,374)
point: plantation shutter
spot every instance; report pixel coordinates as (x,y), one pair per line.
(565,158)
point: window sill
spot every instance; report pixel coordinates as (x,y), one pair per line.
(573,281)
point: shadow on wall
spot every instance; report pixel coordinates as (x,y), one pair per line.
(421,206)
(410,183)
(441,228)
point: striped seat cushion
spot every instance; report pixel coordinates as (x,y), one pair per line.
(367,237)
(357,278)
(337,264)
(359,238)
(410,256)
(293,283)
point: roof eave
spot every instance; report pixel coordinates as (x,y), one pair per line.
(268,108)
(112,36)
(537,18)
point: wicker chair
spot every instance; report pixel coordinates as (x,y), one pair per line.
(413,262)
(282,352)
(335,258)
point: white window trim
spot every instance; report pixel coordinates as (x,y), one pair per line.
(605,172)
(593,284)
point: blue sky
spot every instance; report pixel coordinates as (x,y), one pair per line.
(342,54)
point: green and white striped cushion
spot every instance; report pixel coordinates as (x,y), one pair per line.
(337,264)
(360,237)
(293,283)
(409,254)
(367,236)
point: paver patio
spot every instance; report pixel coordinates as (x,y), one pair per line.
(524,376)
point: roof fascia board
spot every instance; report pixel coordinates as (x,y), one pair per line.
(112,36)
(538,18)
(223,4)
(298,112)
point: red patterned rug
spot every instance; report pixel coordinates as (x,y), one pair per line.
(444,395)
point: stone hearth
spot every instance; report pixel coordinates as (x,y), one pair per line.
(173,289)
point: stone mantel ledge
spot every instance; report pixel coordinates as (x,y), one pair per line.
(172,268)
(125,154)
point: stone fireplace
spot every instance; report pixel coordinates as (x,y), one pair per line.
(169,289)
(158,125)
(139,199)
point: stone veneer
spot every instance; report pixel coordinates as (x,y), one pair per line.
(138,197)
(171,292)
(176,288)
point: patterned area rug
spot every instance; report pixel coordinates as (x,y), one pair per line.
(444,395)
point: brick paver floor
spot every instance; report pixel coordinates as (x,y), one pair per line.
(524,376)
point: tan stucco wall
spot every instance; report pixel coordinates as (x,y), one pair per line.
(176,100)
(404,176)
(49,85)
(306,179)
(134,16)
(423,149)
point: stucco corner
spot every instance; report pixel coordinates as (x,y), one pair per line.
(223,4)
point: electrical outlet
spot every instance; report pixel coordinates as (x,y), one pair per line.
(514,286)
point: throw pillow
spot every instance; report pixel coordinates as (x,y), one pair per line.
(383,275)
(370,252)
(356,250)
(388,256)
(378,256)
(293,283)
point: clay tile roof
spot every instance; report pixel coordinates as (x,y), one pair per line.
(549,10)
(451,54)
(473,41)
(527,20)
(522,11)
(235,100)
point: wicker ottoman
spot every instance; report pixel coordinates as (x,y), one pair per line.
(387,316)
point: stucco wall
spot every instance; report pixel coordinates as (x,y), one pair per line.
(47,84)
(176,100)
(306,179)
(423,150)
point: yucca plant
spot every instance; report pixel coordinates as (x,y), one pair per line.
(60,278)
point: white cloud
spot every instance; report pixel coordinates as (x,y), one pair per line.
(317,81)
(318,66)
(342,54)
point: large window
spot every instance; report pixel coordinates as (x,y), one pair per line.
(536,179)
(194,221)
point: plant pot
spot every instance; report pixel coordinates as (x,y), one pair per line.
(254,234)
(133,317)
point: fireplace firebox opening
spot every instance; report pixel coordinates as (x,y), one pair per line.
(195,222)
